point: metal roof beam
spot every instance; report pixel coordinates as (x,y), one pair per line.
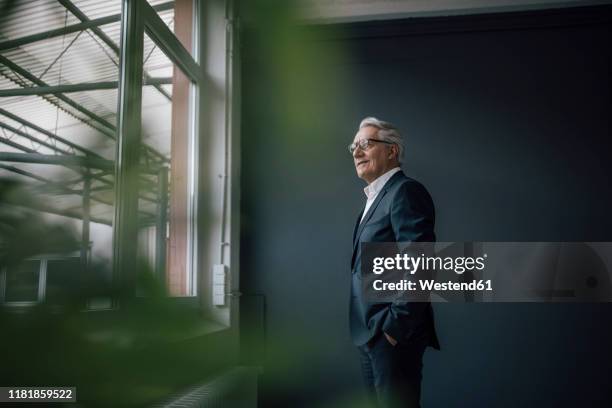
(64,213)
(81,16)
(67,88)
(73,164)
(33,139)
(85,25)
(37,205)
(21,172)
(145,217)
(51,185)
(18,146)
(110,128)
(67,160)
(70,160)
(29,39)
(24,122)
(47,133)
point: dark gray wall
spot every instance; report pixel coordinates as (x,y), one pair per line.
(507,123)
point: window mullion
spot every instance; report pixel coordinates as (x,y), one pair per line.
(125,226)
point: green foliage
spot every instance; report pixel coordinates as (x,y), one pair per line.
(131,355)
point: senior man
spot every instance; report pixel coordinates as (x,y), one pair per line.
(391,337)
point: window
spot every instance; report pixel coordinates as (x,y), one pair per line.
(61,132)
(141,122)
(108,131)
(54,280)
(21,284)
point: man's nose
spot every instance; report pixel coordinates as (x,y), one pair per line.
(357,152)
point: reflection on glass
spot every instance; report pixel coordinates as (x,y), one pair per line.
(22,282)
(64,280)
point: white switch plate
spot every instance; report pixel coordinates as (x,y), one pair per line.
(219,273)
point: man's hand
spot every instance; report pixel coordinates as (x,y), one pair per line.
(390,339)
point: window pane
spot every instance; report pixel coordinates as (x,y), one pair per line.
(45,133)
(65,281)
(180,20)
(166,187)
(22,282)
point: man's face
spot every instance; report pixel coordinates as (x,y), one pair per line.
(375,161)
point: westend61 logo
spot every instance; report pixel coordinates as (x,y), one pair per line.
(411,264)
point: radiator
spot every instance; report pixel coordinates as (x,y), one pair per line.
(235,388)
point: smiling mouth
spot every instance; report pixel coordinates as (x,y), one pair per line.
(362,162)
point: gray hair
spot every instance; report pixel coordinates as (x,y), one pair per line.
(387,132)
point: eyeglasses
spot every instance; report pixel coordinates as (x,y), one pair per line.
(364,144)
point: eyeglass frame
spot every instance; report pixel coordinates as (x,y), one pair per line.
(367,144)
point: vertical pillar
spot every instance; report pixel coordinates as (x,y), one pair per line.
(179,197)
(125,224)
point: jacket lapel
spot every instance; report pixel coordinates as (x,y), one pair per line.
(368,216)
(360,225)
(357,226)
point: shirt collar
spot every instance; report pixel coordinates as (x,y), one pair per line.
(372,189)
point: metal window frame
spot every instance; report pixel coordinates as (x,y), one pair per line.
(102,36)
(137,18)
(41,293)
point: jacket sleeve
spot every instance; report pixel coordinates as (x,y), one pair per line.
(412,219)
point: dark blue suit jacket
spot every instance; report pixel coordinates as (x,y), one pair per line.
(403,211)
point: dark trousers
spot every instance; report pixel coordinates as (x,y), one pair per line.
(392,373)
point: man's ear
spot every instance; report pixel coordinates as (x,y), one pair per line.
(394,152)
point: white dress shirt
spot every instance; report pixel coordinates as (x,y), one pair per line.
(371,191)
